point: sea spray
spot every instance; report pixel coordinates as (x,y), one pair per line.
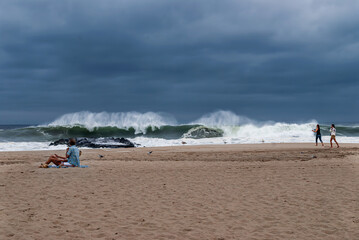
(158,129)
(222,118)
(122,120)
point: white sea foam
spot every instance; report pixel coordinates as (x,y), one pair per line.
(222,118)
(277,132)
(250,131)
(125,120)
(28,146)
(159,142)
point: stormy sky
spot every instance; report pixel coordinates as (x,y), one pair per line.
(267,60)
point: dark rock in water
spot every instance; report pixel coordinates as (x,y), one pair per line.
(107,142)
(60,142)
(203,132)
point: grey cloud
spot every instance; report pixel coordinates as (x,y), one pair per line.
(256,58)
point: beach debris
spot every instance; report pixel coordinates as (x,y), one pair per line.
(100,156)
(149,153)
(183,142)
(224,142)
(262,140)
(313,156)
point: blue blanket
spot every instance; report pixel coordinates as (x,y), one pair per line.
(54,166)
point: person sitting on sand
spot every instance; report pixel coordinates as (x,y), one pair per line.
(333,132)
(318,135)
(72,158)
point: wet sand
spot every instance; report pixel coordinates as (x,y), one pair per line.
(259,191)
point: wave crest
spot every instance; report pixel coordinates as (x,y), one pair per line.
(123,120)
(222,118)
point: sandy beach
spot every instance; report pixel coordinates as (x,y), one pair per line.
(258,191)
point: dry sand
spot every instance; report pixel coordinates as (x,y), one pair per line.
(264,191)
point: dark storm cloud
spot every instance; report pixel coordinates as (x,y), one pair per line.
(265,59)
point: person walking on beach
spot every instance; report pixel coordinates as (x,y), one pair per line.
(333,132)
(318,135)
(72,158)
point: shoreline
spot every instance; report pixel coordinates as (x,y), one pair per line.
(240,145)
(159,142)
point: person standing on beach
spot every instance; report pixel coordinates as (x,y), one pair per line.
(318,135)
(333,132)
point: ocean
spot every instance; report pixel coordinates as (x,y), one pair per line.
(155,129)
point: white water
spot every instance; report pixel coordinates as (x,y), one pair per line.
(237,129)
(159,142)
(125,120)
(222,118)
(28,146)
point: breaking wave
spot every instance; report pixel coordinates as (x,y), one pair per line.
(140,122)
(159,129)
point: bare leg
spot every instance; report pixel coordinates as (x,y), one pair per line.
(336,142)
(320,138)
(53,159)
(331,143)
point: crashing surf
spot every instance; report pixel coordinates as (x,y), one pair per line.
(159,129)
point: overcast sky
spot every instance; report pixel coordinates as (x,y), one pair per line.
(267,60)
